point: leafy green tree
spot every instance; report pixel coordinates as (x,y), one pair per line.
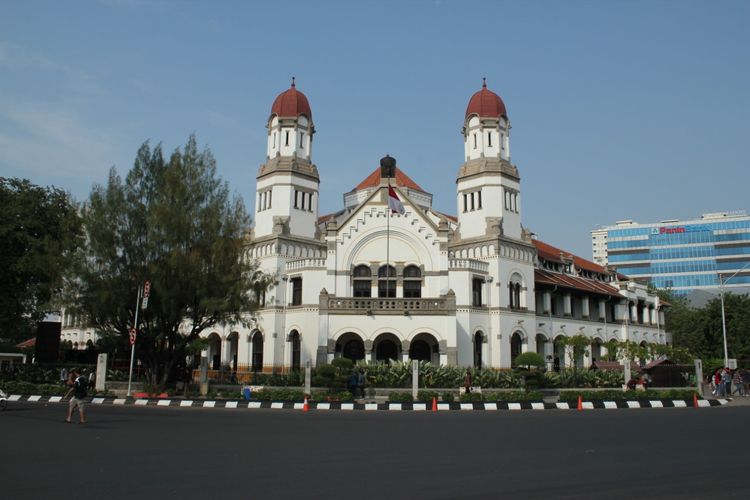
(529,359)
(172,222)
(578,346)
(39,232)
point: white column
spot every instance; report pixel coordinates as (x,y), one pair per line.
(585,307)
(566,304)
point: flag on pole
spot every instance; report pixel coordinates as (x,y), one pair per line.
(393,202)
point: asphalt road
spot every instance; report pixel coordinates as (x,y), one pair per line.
(128,452)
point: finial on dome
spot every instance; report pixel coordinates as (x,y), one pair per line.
(293,82)
(484,82)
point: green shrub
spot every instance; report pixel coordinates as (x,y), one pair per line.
(427,396)
(400,397)
(572,396)
(471,397)
(278,394)
(529,359)
(448,397)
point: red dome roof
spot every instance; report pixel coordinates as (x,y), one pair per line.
(486,104)
(291,103)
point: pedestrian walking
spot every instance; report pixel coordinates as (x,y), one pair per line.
(78,388)
(467,381)
(726,382)
(739,386)
(64,376)
(92,379)
(718,386)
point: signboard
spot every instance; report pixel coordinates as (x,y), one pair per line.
(146,293)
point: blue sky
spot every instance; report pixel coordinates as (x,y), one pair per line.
(620,110)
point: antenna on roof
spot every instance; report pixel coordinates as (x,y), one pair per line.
(293,82)
(484,82)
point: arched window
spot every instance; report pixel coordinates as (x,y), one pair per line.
(362,281)
(386,281)
(295,346)
(412,282)
(514,291)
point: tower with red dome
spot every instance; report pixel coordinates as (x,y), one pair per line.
(288,183)
(488,184)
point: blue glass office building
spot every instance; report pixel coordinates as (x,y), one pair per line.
(680,255)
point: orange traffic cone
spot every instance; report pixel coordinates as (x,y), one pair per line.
(695,400)
(580,403)
(305,407)
(434,404)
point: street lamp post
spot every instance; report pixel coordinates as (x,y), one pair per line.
(723,282)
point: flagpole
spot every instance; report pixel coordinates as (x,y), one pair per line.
(132,344)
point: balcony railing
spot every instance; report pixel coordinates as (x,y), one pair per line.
(470,264)
(404,306)
(296,265)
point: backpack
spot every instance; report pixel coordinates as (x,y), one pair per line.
(80,386)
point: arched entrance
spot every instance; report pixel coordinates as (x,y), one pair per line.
(214,351)
(596,350)
(478,341)
(558,349)
(294,344)
(257,351)
(516,347)
(234,339)
(387,347)
(424,347)
(350,346)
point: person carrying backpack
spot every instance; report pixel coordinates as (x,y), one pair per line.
(78,388)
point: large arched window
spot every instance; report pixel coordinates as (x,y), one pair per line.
(478,341)
(412,282)
(386,281)
(295,348)
(362,281)
(514,291)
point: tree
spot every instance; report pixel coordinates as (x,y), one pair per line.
(39,231)
(578,346)
(529,359)
(174,223)
(699,330)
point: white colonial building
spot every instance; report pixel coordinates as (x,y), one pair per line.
(369,283)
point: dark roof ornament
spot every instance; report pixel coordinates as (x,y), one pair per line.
(387,167)
(293,85)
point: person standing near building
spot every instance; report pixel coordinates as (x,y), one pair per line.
(78,388)
(467,381)
(64,376)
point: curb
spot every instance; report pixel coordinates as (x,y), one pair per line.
(496,406)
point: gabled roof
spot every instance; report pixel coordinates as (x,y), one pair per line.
(554,254)
(402,180)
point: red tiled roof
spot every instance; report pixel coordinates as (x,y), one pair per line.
(486,104)
(401,180)
(574,283)
(291,103)
(550,253)
(27,343)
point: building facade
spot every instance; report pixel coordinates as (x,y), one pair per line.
(680,255)
(387,277)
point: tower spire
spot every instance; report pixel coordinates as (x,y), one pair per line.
(484,82)
(293,83)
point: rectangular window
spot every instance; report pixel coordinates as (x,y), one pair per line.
(412,289)
(465,203)
(502,141)
(476,291)
(387,288)
(472,202)
(296,291)
(296,197)
(362,288)
(269,198)
(310,202)
(286,139)
(302,200)
(489,139)
(479,200)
